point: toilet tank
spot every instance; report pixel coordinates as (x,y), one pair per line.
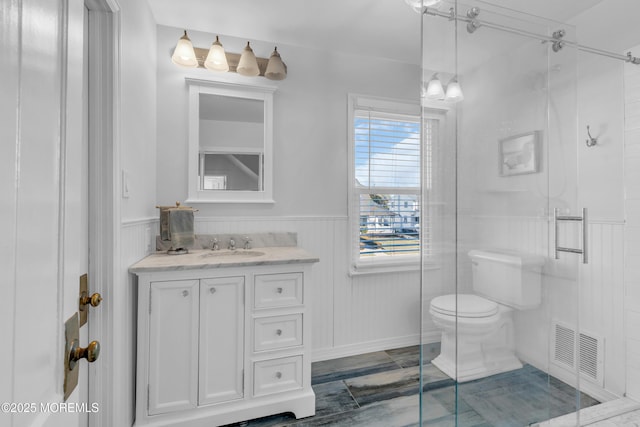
(510,278)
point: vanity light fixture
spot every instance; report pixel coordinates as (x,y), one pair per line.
(216,59)
(434,88)
(454,91)
(275,67)
(184,54)
(248,65)
(418,5)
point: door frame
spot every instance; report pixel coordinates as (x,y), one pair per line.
(104,203)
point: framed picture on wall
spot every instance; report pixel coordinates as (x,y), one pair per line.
(519,154)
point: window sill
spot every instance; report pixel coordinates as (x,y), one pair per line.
(362,268)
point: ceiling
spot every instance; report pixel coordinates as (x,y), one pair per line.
(379,28)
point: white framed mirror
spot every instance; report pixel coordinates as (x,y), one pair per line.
(230,142)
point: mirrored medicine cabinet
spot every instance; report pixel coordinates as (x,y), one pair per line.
(230,142)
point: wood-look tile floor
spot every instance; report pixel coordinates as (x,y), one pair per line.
(381,389)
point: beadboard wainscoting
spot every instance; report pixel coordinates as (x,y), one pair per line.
(135,244)
(351,314)
(632,229)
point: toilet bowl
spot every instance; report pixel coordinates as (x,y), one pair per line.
(477,329)
(484,331)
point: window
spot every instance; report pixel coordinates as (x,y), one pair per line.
(385,164)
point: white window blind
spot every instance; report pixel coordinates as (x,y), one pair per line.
(387,174)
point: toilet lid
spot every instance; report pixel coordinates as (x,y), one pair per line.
(467,305)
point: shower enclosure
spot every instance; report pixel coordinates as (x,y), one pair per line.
(500,175)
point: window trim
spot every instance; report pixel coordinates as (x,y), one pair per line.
(394,108)
(426,110)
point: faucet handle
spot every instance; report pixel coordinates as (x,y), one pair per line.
(247,242)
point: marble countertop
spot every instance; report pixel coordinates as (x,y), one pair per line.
(206,258)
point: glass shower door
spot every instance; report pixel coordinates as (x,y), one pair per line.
(500,319)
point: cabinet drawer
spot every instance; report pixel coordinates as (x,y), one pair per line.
(278,290)
(277,332)
(277,375)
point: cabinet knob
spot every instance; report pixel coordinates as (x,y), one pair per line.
(212,290)
(279,332)
(279,290)
(185,293)
(278,375)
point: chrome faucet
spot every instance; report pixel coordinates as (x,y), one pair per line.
(247,242)
(214,244)
(232,244)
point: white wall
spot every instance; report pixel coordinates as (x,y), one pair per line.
(632,228)
(310,122)
(351,314)
(137,157)
(138,114)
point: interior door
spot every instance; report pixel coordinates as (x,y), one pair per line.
(45,239)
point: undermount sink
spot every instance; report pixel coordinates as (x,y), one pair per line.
(240,253)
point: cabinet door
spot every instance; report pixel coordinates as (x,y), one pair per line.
(173,345)
(221,339)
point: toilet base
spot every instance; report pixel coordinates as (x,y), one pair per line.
(474,371)
(468,354)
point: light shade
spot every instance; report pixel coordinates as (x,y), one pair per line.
(248,65)
(417,5)
(435,89)
(454,92)
(184,54)
(275,67)
(216,58)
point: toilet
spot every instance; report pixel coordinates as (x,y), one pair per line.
(503,281)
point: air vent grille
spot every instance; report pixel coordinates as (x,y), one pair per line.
(581,351)
(589,356)
(564,346)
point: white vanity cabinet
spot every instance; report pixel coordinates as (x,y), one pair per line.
(222,345)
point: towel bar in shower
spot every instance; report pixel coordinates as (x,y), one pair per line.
(584,220)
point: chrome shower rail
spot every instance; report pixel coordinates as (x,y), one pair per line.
(584,219)
(556,38)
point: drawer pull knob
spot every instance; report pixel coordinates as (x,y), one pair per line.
(212,290)
(279,290)
(278,375)
(279,332)
(185,293)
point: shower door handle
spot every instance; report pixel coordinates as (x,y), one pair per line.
(584,220)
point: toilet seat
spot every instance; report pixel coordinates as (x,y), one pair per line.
(464,305)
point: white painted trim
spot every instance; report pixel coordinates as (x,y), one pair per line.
(318,355)
(104,205)
(138,221)
(268,218)
(260,93)
(609,221)
(63,36)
